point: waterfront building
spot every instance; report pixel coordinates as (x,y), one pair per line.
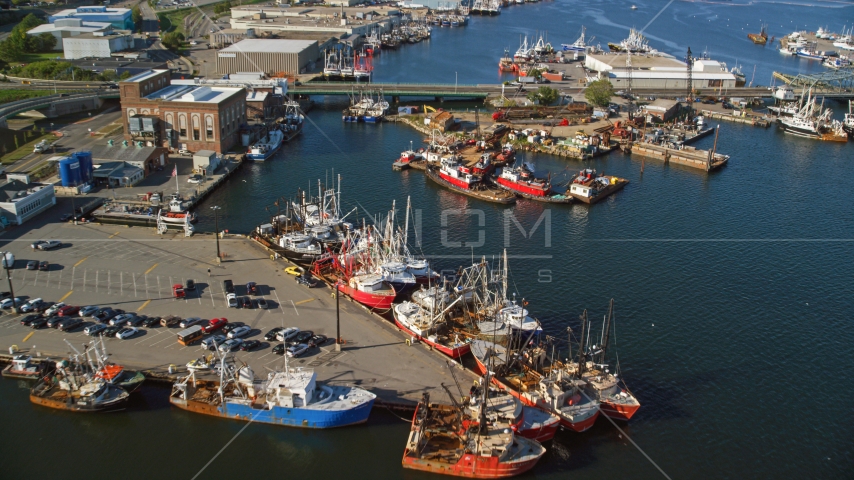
(117,17)
(271,56)
(653,71)
(264,98)
(142,155)
(96,44)
(338,21)
(191,117)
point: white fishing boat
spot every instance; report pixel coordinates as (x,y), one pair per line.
(577,46)
(267,146)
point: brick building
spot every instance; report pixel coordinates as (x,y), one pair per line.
(191,117)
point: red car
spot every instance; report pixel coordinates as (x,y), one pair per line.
(214,324)
(68,311)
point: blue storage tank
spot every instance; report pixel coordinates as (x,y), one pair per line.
(69,172)
(86,169)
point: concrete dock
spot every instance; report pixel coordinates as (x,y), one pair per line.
(133,268)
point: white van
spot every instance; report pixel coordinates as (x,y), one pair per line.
(8,260)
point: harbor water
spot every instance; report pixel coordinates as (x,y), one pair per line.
(732,290)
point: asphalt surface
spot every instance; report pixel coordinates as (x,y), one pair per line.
(134,268)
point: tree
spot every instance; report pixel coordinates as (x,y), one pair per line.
(136,17)
(544,95)
(125,75)
(599,93)
(172,40)
(222,8)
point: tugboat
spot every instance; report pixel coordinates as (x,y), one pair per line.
(760,38)
(521,181)
(266,147)
(590,187)
(68,388)
(23,368)
(448,440)
(290,397)
(419,323)
(454,175)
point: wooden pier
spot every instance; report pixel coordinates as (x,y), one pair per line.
(747,119)
(688,156)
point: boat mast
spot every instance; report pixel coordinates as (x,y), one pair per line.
(581,360)
(606,333)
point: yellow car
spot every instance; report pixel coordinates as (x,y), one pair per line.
(295,270)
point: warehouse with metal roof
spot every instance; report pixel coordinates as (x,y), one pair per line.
(271,56)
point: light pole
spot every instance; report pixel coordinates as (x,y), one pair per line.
(337,317)
(455,82)
(9,278)
(216,231)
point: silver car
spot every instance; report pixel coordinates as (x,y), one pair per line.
(94,329)
(230,344)
(239,332)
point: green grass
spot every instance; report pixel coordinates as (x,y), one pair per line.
(13,95)
(37,57)
(27,148)
(173,20)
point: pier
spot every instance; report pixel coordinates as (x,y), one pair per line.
(135,270)
(687,156)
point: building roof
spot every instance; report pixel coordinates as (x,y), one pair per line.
(256,96)
(269,46)
(187,93)
(91,9)
(668,75)
(144,75)
(16,190)
(93,36)
(115,170)
(661,105)
(119,152)
(84,27)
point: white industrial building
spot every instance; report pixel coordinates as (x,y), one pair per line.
(69,27)
(271,56)
(21,200)
(650,71)
(96,45)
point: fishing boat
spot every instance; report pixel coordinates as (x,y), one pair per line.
(591,187)
(370,290)
(848,120)
(111,372)
(635,43)
(446,439)
(579,46)
(836,62)
(300,247)
(542,47)
(760,38)
(397,275)
(557,392)
(22,367)
(70,388)
(505,64)
(523,53)
(516,317)
(431,298)
(292,122)
(290,397)
(418,323)
(454,175)
(502,407)
(813,121)
(521,181)
(810,52)
(267,146)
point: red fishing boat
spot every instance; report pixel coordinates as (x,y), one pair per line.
(370,290)
(417,322)
(463,179)
(445,439)
(521,180)
(526,421)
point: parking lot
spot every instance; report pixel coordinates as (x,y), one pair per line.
(133,269)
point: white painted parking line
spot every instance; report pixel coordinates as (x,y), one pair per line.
(96,280)
(262,356)
(73,271)
(159,291)
(121,283)
(155,343)
(134,283)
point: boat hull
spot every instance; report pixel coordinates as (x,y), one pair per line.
(472,466)
(494,195)
(550,198)
(617,411)
(289,417)
(604,193)
(368,299)
(67,403)
(579,426)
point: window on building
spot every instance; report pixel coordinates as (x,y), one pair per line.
(209,127)
(182,126)
(196,128)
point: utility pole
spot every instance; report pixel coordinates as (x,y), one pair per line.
(9,278)
(337,317)
(216,232)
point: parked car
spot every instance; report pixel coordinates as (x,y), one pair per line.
(111,331)
(262,304)
(287,334)
(251,288)
(232,300)
(302,337)
(53,322)
(214,324)
(94,329)
(7,303)
(239,332)
(121,319)
(30,306)
(87,310)
(228,286)
(318,340)
(135,321)
(151,322)
(191,285)
(38,243)
(189,322)
(230,344)
(70,323)
(29,319)
(231,326)
(297,349)
(249,345)
(50,244)
(44,266)
(4,294)
(279,349)
(65,217)
(170,321)
(127,332)
(295,271)
(39,323)
(245,302)
(213,342)
(68,311)
(32,265)
(271,335)
(306,280)
(105,314)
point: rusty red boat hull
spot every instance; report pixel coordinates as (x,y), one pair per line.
(618,411)
(472,466)
(367,299)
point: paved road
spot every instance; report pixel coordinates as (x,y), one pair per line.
(133,269)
